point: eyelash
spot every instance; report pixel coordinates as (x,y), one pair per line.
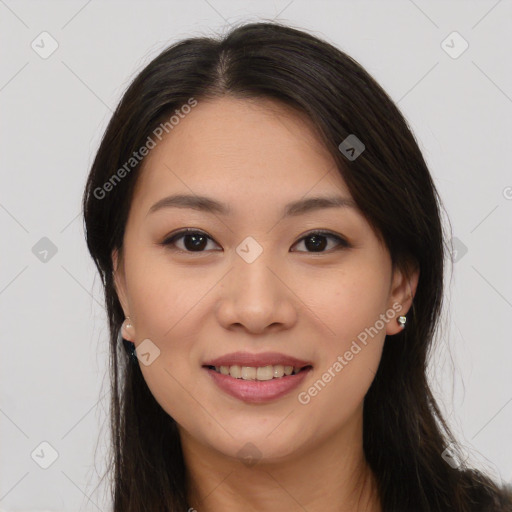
(169,241)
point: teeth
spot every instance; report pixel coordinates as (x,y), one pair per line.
(235,371)
(248,373)
(278,370)
(265,373)
(268,372)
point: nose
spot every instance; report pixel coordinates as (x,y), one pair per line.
(256,297)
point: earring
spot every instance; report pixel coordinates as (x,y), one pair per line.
(128,345)
(402,321)
(130,349)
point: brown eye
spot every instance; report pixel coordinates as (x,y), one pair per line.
(193,241)
(317,241)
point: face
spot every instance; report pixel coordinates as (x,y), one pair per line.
(311,284)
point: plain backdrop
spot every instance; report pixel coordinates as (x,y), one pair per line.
(53,361)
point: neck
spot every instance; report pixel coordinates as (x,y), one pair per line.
(331,475)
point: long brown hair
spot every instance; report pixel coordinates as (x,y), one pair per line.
(403,429)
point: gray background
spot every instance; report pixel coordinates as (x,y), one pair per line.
(54,385)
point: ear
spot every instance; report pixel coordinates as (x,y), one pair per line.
(120,287)
(402,291)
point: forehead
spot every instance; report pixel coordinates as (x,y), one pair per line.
(239,149)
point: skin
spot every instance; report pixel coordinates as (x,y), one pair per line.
(256,156)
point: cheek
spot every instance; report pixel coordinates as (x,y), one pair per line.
(348,304)
(167,302)
(350,353)
(347,300)
(163,295)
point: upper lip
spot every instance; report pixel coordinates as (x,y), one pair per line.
(256,360)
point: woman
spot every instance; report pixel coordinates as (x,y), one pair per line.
(269,239)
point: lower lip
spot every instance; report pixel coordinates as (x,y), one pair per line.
(257,391)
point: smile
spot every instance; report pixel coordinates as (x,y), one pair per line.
(260,373)
(274,381)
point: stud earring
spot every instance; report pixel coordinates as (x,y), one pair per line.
(402,321)
(128,325)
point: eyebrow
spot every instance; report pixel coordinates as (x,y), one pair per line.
(209,205)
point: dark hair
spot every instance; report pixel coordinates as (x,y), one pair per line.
(404,434)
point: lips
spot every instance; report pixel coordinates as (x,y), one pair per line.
(257,360)
(255,391)
(246,376)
